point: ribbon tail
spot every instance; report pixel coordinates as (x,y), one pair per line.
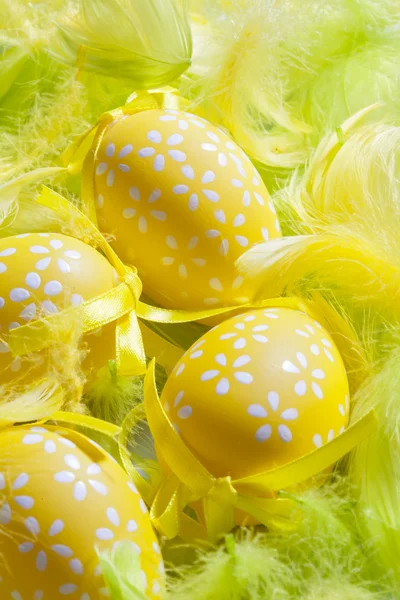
(131,358)
(166,510)
(277,514)
(219,509)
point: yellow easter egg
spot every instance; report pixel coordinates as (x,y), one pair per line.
(61,497)
(183,202)
(42,274)
(258,391)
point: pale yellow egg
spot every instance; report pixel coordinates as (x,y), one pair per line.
(183,202)
(258,391)
(42,274)
(61,497)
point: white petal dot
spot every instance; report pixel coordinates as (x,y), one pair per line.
(56,527)
(239,220)
(200,262)
(256,410)
(290,414)
(224,247)
(146,152)
(76,566)
(207,375)
(103,533)
(325,342)
(302,359)
(32,439)
(237,183)
(222,387)
(175,139)
(110,178)
(242,241)
(62,550)
(259,198)
(239,343)
(167,261)
(25,502)
(289,367)
(125,151)
(41,561)
(142,224)
(273,400)
(284,433)
(2,302)
(213,137)
(132,526)
(178,398)
(260,328)
(72,254)
(182,124)
(221,359)
(33,280)
(185,412)
(314,349)
(341,410)
(300,388)
(129,213)
(242,360)
(25,547)
(318,374)
(177,155)
(99,487)
(2,481)
(211,301)
(67,588)
(20,481)
(222,159)
(143,506)
(38,595)
(208,177)
(246,198)
(56,244)
(19,295)
(331,435)
(209,147)
(211,195)
(76,299)
(3,267)
(64,477)
(171,242)
(215,284)
(220,216)
(243,377)
(239,326)
(154,136)
(113,516)
(110,150)
(263,433)
(180,189)
(63,266)
(5,514)
(13,325)
(329,355)
(302,333)
(101,168)
(8,252)
(72,462)
(317,390)
(188,172)
(193,202)
(80,491)
(124,168)
(160,215)
(43,263)
(159,163)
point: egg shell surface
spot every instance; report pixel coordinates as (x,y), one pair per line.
(42,274)
(258,391)
(61,496)
(183,202)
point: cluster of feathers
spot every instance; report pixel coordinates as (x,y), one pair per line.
(310,89)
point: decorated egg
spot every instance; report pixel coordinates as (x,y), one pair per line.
(41,274)
(182,202)
(258,391)
(61,498)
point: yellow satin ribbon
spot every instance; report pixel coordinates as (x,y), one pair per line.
(256,495)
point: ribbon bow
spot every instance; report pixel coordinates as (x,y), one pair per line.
(258,496)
